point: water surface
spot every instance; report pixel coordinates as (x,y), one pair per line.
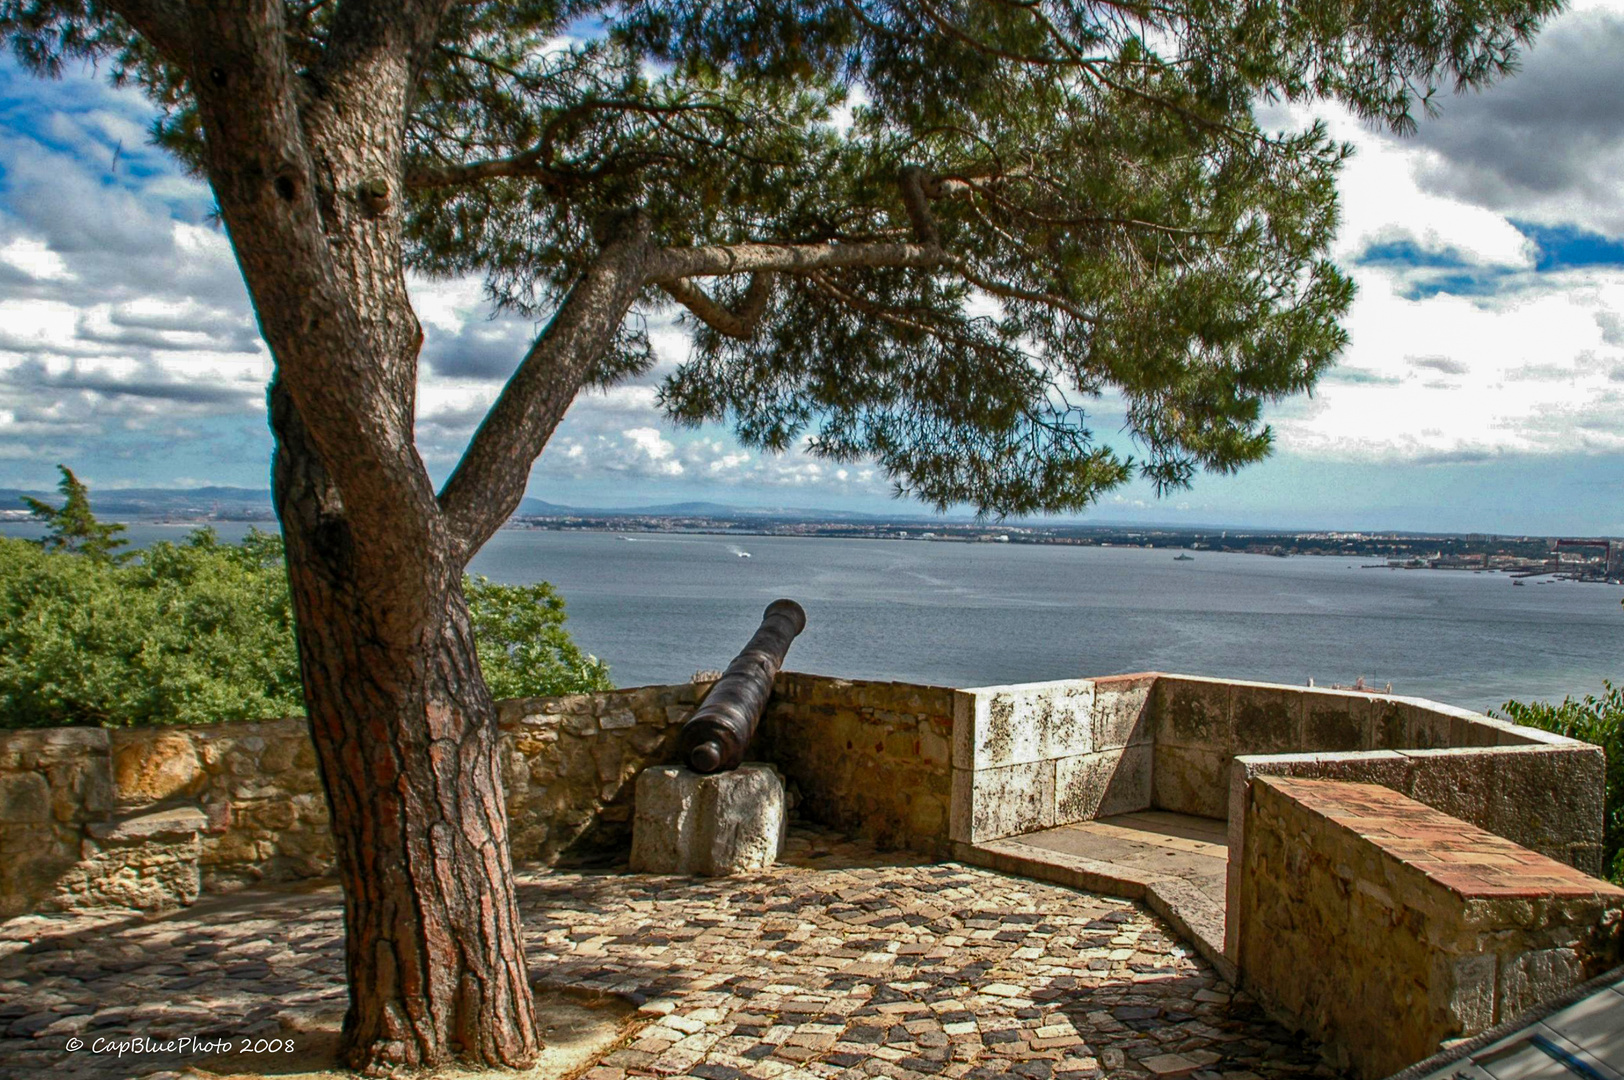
(660,607)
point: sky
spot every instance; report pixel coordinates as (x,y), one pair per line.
(1482,390)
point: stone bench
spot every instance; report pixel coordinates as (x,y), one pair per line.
(1381,926)
(149,862)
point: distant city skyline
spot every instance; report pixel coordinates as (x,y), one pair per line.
(1483,389)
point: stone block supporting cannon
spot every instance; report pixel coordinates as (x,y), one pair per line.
(714,738)
(710,815)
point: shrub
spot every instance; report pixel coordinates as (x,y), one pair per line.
(189,633)
(202,631)
(523,647)
(1598,720)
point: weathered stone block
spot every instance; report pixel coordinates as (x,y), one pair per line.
(1191,780)
(1192,712)
(41,748)
(1099,785)
(1526,980)
(1462,988)
(149,768)
(1426,727)
(25,799)
(1387,724)
(1336,722)
(1016,725)
(1267,719)
(724,823)
(1004,802)
(617,720)
(1122,711)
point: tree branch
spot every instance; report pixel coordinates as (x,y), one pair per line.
(164,25)
(741,325)
(367,33)
(672,264)
(537,161)
(912,180)
(433,176)
(490,479)
(1012,292)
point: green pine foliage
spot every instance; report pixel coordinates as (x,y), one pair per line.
(202,632)
(1598,720)
(1115,213)
(72,526)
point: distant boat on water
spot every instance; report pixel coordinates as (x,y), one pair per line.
(1184,558)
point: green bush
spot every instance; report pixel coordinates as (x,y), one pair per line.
(189,633)
(1598,720)
(201,631)
(523,647)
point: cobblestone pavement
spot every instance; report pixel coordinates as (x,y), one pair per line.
(839,962)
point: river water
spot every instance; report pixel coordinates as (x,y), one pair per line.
(659,607)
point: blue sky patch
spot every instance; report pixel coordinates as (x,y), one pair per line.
(1567,247)
(1406,254)
(1479,282)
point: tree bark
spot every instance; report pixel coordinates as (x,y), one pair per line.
(405,734)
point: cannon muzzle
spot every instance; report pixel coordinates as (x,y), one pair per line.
(715,736)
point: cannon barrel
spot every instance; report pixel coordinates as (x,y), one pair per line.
(714,737)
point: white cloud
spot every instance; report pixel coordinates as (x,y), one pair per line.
(1523,371)
(659,452)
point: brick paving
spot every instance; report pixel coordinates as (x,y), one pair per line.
(840,962)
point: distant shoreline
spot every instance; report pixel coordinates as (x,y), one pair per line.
(1524,556)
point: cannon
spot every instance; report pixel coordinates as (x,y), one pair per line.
(714,737)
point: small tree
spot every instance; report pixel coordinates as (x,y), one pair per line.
(916,231)
(72,527)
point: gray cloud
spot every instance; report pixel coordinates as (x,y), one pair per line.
(1550,137)
(149,382)
(139,337)
(225,328)
(1445,364)
(1349,374)
(1612,327)
(484,350)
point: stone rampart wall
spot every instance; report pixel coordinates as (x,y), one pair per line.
(1037,755)
(150,817)
(1212,736)
(871,758)
(1202,725)
(90,816)
(1421,927)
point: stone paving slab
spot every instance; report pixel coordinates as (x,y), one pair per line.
(1149,844)
(839,962)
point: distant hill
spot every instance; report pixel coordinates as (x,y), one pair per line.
(218,502)
(254,505)
(538,508)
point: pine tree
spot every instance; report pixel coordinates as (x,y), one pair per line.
(72,527)
(921,232)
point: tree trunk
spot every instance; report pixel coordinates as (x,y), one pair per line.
(405,734)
